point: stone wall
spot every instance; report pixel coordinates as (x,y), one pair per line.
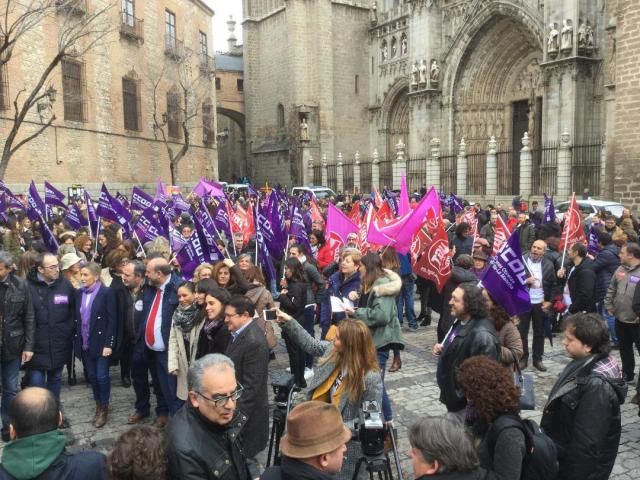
(100,149)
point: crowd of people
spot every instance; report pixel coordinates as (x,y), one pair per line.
(198,350)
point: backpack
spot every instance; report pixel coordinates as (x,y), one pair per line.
(541,457)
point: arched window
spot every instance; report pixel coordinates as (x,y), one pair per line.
(280,117)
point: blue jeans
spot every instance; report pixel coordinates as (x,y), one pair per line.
(406,301)
(10,371)
(49,379)
(383,357)
(98,373)
(309,322)
(611,322)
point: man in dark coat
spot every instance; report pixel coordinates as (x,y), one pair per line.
(581,280)
(250,353)
(605,265)
(203,441)
(527,232)
(471,334)
(53,300)
(37,447)
(16,333)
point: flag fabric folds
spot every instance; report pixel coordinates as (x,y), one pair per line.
(573,231)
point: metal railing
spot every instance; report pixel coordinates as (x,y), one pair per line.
(505,175)
(416,172)
(174,48)
(347,169)
(386,174)
(332,176)
(366,177)
(448,172)
(131,26)
(476,173)
(207,65)
(317,175)
(586,167)
(544,169)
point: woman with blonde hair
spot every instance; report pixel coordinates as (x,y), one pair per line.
(346,375)
(204,270)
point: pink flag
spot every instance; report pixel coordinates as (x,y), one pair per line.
(404,197)
(339,223)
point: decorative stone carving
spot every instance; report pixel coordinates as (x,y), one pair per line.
(403,45)
(384,51)
(394,47)
(591,42)
(304,130)
(582,37)
(414,75)
(566,43)
(423,73)
(434,73)
(553,41)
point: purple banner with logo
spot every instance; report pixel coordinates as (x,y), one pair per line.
(549,210)
(35,205)
(53,197)
(140,200)
(75,218)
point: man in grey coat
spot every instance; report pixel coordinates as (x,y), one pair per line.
(250,353)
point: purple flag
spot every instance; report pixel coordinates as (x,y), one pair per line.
(180,204)
(75,218)
(176,240)
(592,245)
(13,201)
(3,207)
(94,224)
(193,253)
(208,189)
(263,230)
(47,237)
(221,220)
(549,210)
(124,201)
(53,197)
(392,200)
(506,277)
(35,205)
(147,227)
(278,227)
(206,230)
(298,229)
(455,204)
(161,190)
(140,200)
(111,209)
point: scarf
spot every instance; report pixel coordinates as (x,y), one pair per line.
(86,303)
(184,318)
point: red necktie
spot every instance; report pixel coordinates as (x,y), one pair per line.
(151,321)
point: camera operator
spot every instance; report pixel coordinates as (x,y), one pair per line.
(347,374)
(314,445)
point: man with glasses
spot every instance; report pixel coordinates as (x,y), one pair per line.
(203,435)
(53,299)
(250,353)
(16,328)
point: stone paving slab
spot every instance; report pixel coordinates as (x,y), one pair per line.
(413,392)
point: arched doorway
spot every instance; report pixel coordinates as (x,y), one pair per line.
(498,92)
(232,156)
(398,123)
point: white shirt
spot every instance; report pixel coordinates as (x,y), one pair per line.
(536,292)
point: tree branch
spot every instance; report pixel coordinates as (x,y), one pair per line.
(42,128)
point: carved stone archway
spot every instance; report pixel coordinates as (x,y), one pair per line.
(396,118)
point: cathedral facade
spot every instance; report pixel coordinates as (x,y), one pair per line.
(357,77)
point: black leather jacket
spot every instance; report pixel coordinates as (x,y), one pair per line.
(477,337)
(17,321)
(199,449)
(292,469)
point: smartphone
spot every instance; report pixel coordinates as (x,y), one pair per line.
(269,314)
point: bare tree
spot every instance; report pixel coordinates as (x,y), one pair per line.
(190,78)
(79,32)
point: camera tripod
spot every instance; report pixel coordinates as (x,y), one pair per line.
(380,463)
(277,427)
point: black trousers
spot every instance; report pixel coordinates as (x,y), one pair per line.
(424,291)
(535,316)
(628,335)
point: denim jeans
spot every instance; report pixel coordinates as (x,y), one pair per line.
(98,372)
(49,379)
(10,370)
(383,357)
(406,301)
(611,322)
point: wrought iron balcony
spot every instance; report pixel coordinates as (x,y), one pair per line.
(207,65)
(174,48)
(74,7)
(131,27)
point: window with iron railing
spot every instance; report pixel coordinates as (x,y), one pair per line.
(204,48)
(130,25)
(74,91)
(5,103)
(174,115)
(131,104)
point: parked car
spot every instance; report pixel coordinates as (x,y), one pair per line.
(591,207)
(317,191)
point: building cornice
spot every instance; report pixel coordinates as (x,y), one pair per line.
(204,6)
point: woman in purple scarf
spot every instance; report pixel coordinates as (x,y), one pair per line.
(96,325)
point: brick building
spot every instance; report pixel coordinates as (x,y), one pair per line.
(104,104)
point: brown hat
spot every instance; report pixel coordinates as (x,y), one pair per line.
(314,428)
(480,255)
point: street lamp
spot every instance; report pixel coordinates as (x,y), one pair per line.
(47,101)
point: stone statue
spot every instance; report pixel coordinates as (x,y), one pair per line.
(394,47)
(403,46)
(582,36)
(414,74)
(591,43)
(566,36)
(552,42)
(434,74)
(423,72)
(304,130)
(385,52)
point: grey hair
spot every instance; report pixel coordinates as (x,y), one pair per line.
(197,369)
(94,268)
(139,269)
(444,439)
(6,259)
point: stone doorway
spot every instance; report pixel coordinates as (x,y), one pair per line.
(398,126)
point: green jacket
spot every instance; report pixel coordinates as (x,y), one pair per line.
(381,312)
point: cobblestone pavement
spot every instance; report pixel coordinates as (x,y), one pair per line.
(413,392)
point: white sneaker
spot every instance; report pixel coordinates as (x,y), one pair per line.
(288,369)
(308,373)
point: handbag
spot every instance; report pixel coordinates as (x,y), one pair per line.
(524,382)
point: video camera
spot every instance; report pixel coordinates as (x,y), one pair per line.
(370,429)
(282,384)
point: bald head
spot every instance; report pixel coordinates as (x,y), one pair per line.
(537,249)
(158,270)
(33,411)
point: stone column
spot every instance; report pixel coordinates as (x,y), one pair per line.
(375,169)
(492,169)
(433,164)
(340,175)
(526,161)
(603,171)
(356,172)
(461,183)
(325,171)
(399,165)
(563,188)
(310,179)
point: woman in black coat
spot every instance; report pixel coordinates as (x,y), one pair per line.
(292,301)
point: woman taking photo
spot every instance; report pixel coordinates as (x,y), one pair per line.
(96,314)
(377,309)
(347,374)
(292,301)
(491,394)
(183,322)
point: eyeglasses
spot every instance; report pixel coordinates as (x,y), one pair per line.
(221,401)
(52,267)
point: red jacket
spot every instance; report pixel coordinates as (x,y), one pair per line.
(324,257)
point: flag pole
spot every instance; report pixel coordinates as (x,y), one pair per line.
(140,244)
(286,250)
(566,240)
(95,250)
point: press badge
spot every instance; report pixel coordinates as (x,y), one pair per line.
(60,300)
(138,306)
